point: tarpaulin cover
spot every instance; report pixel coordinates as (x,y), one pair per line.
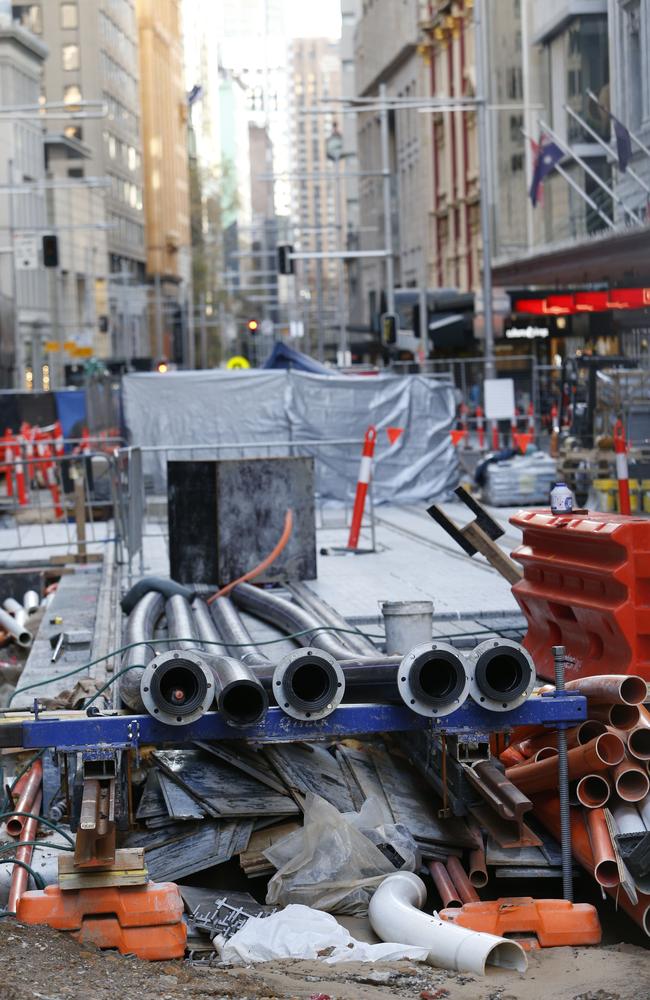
(213,408)
(71,411)
(283,356)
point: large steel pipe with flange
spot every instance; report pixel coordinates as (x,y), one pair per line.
(395,914)
(433,679)
(241,698)
(310,601)
(503,674)
(290,618)
(308,684)
(140,628)
(177,687)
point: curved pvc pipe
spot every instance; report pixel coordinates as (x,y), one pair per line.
(10,624)
(140,627)
(288,617)
(157,583)
(395,914)
(16,609)
(310,601)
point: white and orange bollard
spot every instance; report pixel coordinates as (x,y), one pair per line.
(531,421)
(622,474)
(363,482)
(19,472)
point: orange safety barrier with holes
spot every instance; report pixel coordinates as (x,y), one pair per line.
(534,923)
(144,920)
(586,586)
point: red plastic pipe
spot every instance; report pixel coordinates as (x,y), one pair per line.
(464,887)
(605,751)
(605,866)
(630,781)
(619,716)
(593,791)
(612,689)
(444,884)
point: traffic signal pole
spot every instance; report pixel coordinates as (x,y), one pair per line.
(485,189)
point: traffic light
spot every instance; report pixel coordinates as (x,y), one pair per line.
(50,251)
(389,328)
(162,366)
(253,326)
(285,264)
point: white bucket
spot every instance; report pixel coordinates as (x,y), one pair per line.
(408,624)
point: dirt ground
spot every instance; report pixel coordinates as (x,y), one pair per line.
(37,962)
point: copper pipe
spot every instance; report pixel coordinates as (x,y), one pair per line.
(19,878)
(611,689)
(605,866)
(603,752)
(477,868)
(445,886)
(638,742)
(511,756)
(545,753)
(644,717)
(547,810)
(630,781)
(593,791)
(623,717)
(527,748)
(464,887)
(16,824)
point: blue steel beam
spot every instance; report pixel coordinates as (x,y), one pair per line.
(348,720)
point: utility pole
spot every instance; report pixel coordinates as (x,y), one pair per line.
(334,147)
(388,224)
(158,315)
(480,43)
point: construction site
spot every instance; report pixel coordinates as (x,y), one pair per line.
(293,707)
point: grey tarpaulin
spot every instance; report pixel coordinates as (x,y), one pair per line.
(218,408)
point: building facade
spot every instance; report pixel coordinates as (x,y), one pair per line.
(350,15)
(164,113)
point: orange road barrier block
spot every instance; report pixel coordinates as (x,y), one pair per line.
(534,923)
(143,920)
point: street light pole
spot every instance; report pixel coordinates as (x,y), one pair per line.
(388,225)
(480,41)
(334,148)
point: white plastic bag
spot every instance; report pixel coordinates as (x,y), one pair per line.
(300,932)
(332,863)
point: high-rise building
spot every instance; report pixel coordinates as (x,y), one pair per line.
(350,14)
(93,55)
(164,113)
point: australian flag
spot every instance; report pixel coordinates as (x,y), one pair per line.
(549,155)
(623,144)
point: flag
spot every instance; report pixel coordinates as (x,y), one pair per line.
(549,155)
(195,94)
(535,148)
(622,134)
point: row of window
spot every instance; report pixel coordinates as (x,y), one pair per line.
(119,80)
(126,230)
(125,154)
(118,42)
(30,16)
(117,112)
(126,192)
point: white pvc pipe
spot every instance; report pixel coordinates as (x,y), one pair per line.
(627,818)
(31,602)
(396,915)
(22,636)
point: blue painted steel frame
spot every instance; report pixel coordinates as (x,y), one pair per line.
(348,720)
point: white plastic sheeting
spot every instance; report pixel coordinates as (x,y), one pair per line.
(218,408)
(300,932)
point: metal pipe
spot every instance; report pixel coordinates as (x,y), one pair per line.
(241,699)
(28,790)
(603,752)
(503,675)
(31,602)
(638,742)
(477,868)
(464,887)
(433,679)
(444,883)
(140,628)
(559,657)
(20,876)
(288,617)
(545,753)
(593,791)
(308,684)
(611,689)
(605,864)
(231,629)
(177,687)
(310,601)
(182,631)
(22,635)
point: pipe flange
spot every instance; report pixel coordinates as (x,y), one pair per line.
(308,684)
(433,679)
(177,671)
(503,675)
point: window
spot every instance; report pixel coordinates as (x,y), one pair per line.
(70,57)
(73,132)
(72,94)
(28,16)
(587,57)
(75,172)
(69,15)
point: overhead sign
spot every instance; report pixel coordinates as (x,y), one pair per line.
(238,362)
(26,253)
(526,333)
(499,395)
(52,345)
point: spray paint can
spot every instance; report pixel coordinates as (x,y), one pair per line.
(561,499)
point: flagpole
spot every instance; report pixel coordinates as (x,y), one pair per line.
(632,136)
(576,187)
(592,173)
(608,149)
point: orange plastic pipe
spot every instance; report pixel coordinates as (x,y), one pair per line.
(477,868)
(526,748)
(630,781)
(593,791)
(464,887)
(445,886)
(623,717)
(638,742)
(611,689)
(20,875)
(545,753)
(605,866)
(605,751)
(25,803)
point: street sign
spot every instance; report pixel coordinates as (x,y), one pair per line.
(26,253)
(238,362)
(499,395)
(52,345)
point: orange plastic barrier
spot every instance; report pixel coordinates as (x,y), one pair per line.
(586,586)
(143,920)
(542,923)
